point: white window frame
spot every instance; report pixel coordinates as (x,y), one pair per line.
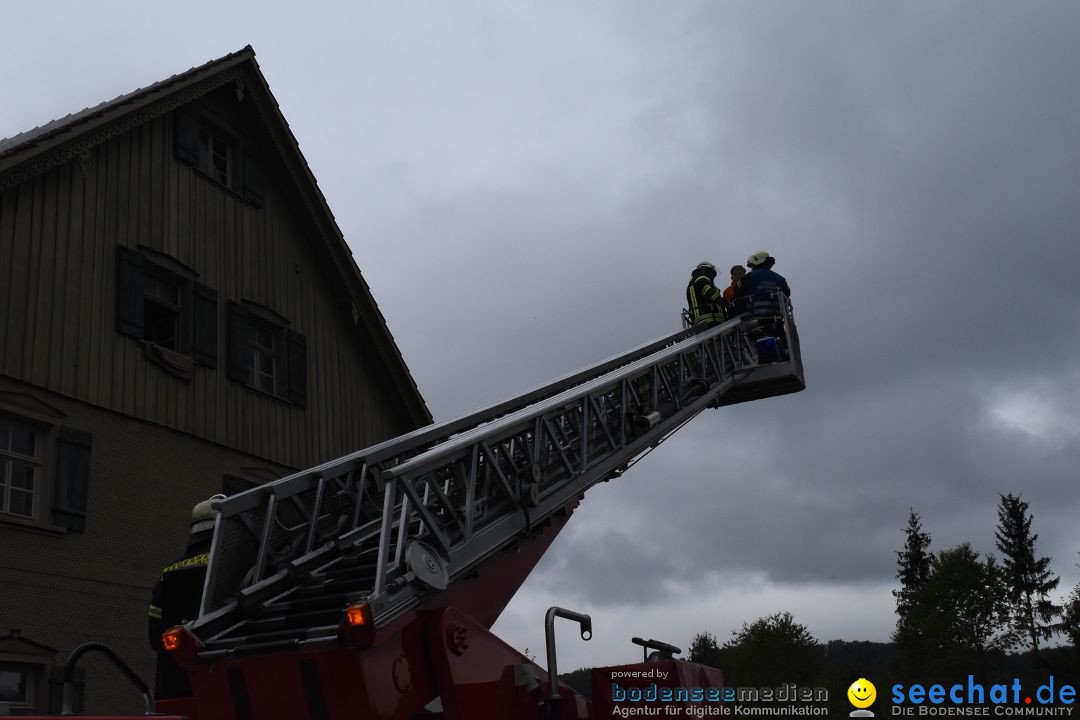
(28,411)
(180,312)
(37,663)
(9,459)
(216,140)
(259,351)
(30,672)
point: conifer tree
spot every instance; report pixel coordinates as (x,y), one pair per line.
(914,564)
(1070,617)
(1028,578)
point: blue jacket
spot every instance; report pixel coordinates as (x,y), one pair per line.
(762,286)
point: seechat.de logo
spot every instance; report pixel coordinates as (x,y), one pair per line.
(862,695)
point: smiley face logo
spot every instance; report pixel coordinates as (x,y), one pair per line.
(862,693)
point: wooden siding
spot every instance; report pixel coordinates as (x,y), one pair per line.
(59,233)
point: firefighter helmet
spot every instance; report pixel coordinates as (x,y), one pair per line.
(203,515)
(757,259)
(707,267)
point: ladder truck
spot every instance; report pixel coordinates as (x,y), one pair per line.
(366,587)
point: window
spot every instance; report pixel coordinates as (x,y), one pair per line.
(20,468)
(265,354)
(262,363)
(162,310)
(160,302)
(215,151)
(16,685)
(44,466)
(25,667)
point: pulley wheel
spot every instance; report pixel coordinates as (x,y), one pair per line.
(427,565)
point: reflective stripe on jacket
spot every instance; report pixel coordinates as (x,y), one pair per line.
(704,300)
(175,599)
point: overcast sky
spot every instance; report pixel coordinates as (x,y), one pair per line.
(526,186)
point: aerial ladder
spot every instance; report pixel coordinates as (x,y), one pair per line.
(367,586)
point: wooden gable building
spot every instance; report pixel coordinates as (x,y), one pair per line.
(179,316)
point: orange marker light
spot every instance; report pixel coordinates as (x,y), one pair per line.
(358,614)
(171,639)
(357,626)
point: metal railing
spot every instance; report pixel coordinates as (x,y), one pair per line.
(466,496)
(425,508)
(288,523)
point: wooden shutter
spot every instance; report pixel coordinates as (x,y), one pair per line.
(296,367)
(129,292)
(204,322)
(72,479)
(187,137)
(238,342)
(253,188)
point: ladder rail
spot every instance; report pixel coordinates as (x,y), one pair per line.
(465,488)
(236,513)
(563,473)
(420,437)
(574,394)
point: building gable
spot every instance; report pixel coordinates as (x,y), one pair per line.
(28,155)
(250,238)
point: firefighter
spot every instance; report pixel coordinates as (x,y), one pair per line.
(175,599)
(706,302)
(764,286)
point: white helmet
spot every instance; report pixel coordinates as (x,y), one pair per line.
(757,258)
(203,515)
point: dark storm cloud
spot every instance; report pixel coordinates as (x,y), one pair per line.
(924,195)
(914,169)
(824,502)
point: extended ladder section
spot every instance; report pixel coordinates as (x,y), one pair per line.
(399,522)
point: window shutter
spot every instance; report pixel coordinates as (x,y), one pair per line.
(187,137)
(253,180)
(72,479)
(239,342)
(296,367)
(204,318)
(129,292)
